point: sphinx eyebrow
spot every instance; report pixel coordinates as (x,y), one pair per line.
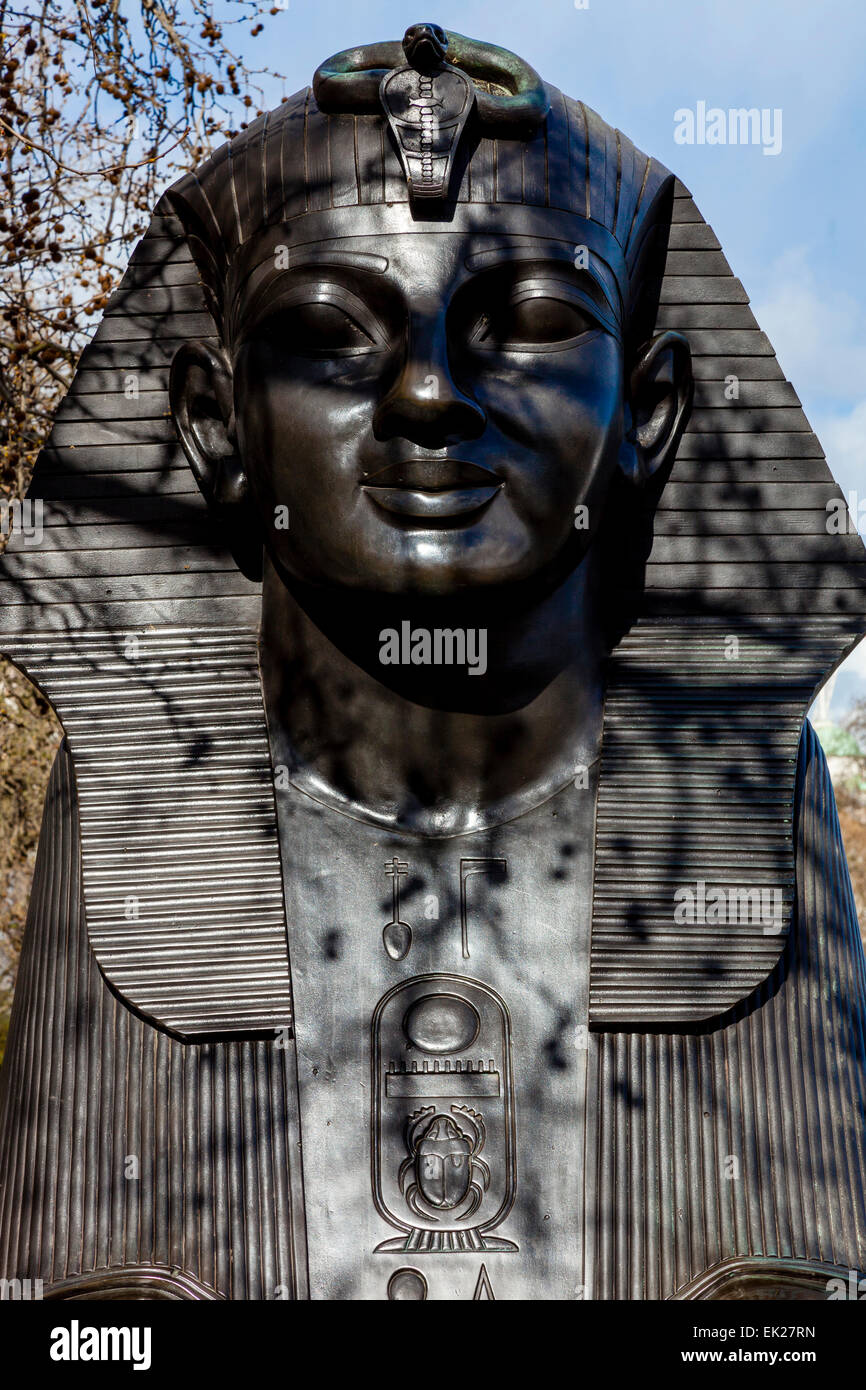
(353,260)
(594,280)
(261,280)
(520,251)
(551,251)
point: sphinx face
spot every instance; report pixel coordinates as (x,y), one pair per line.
(430,405)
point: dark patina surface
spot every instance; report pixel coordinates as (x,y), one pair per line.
(426,613)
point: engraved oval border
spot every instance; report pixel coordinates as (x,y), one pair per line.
(508,1092)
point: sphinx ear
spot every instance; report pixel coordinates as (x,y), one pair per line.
(200,392)
(202,405)
(660,397)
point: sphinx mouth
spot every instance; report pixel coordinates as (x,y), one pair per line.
(432,487)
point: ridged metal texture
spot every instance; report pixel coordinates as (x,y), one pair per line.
(180,856)
(120,1145)
(696,788)
(740,536)
(749,1139)
(702,1147)
(701,733)
(128,541)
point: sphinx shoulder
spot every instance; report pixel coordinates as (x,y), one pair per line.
(825,903)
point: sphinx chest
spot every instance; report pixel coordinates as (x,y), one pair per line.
(441,1000)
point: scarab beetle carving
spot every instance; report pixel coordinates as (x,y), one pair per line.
(444,1170)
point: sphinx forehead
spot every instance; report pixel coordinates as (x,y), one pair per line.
(474,237)
(430,260)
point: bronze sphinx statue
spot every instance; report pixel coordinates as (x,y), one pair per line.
(439,894)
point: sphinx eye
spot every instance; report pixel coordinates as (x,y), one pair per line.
(321,325)
(539,315)
(531,320)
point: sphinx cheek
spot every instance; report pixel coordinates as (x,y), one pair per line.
(562,405)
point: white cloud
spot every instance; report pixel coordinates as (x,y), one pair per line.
(817,331)
(843,437)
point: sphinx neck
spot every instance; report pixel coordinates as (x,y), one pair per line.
(369,715)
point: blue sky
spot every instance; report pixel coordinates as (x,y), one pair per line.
(791,224)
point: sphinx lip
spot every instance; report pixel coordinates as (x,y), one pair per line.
(432,475)
(432,487)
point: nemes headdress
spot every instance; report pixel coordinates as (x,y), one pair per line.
(132,617)
(460,129)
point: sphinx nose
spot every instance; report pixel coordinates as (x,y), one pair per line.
(425,404)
